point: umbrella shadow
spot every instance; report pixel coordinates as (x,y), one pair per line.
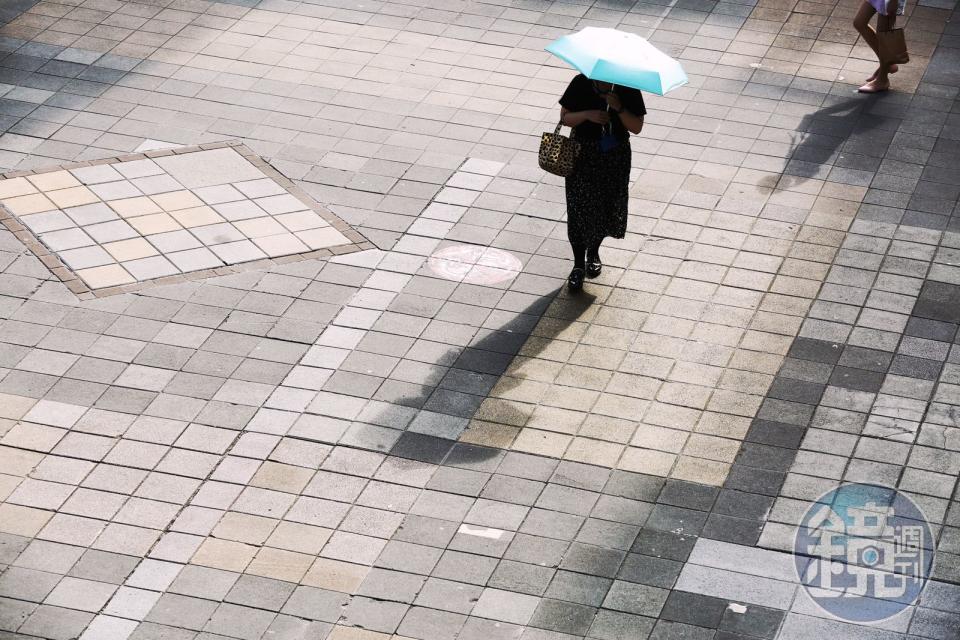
(822,137)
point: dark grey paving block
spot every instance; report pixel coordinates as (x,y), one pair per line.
(649,570)
(666,630)
(580,588)
(603,533)
(592,560)
(668,518)
(763,456)
(478,458)
(931,329)
(630,597)
(664,544)
(756,621)
(635,486)
(615,625)
(857,379)
(938,301)
(863,358)
(795,390)
(694,609)
(739,504)
(424,448)
(816,350)
(689,495)
(563,617)
(777,434)
(750,479)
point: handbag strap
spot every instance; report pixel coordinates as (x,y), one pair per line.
(557,130)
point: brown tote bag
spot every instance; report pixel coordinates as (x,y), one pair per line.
(893,47)
(558,153)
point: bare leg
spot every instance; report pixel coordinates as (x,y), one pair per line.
(861,22)
(885,23)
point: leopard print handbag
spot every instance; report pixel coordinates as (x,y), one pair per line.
(558,153)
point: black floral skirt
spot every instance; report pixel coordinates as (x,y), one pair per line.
(597,194)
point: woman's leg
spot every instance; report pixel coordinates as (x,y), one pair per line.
(593,251)
(885,23)
(579,254)
(861,22)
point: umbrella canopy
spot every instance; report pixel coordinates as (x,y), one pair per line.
(620,58)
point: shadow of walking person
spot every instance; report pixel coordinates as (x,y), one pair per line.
(844,142)
(476,384)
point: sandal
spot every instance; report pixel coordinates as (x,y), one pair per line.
(575,281)
(873,87)
(594,268)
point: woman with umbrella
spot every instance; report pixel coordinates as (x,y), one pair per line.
(603,105)
(602,117)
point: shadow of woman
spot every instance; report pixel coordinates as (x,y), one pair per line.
(450,404)
(822,137)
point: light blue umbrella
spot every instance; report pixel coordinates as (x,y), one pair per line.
(620,58)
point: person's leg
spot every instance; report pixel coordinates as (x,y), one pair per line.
(885,23)
(579,254)
(594,266)
(861,22)
(575,279)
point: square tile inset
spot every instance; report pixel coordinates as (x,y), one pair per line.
(130,220)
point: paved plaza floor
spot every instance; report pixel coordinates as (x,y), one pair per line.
(286,353)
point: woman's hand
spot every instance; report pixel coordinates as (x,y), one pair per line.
(598,116)
(613,100)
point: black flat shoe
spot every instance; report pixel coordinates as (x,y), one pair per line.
(575,281)
(594,268)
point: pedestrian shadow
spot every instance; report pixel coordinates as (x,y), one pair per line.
(822,138)
(434,417)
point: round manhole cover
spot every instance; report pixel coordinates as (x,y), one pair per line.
(475,265)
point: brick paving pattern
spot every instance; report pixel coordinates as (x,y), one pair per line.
(143,218)
(429,438)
